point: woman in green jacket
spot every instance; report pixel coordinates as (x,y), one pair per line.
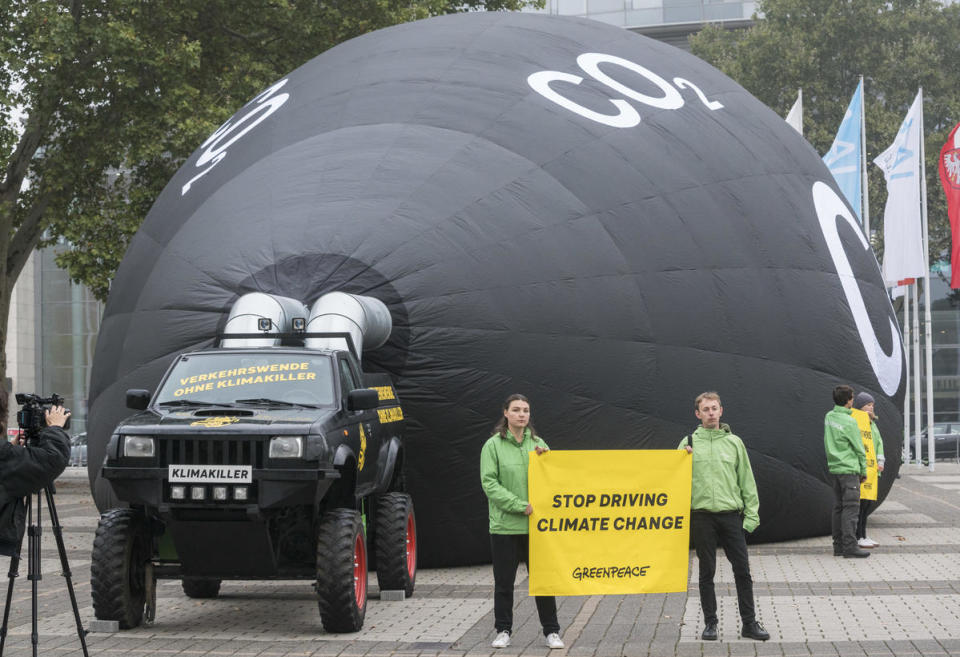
(503,474)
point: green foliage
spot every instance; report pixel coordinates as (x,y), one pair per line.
(113,95)
(824,46)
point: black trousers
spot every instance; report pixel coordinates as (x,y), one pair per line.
(846,509)
(725,530)
(508,551)
(866,506)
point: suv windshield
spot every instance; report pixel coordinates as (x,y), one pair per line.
(225,378)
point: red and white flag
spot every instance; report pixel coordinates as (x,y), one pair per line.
(949,165)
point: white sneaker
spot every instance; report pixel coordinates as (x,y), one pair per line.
(866,543)
(502,640)
(554,641)
(873,543)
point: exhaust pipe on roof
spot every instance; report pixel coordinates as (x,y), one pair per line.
(366,319)
(250,309)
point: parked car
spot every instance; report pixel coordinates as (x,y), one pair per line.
(946,439)
(78,449)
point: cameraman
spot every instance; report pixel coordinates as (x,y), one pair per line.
(26,468)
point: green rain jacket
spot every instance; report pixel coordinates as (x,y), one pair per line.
(503,475)
(722,476)
(843,444)
(877,442)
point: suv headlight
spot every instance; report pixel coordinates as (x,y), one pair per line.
(286,447)
(138,447)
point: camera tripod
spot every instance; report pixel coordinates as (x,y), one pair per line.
(34,574)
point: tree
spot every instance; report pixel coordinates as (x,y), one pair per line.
(102,100)
(824,46)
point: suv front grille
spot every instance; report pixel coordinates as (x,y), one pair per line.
(212,451)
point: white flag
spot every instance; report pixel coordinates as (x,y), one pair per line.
(902,232)
(795,115)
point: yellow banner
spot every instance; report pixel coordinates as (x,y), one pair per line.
(868,489)
(244,376)
(609,522)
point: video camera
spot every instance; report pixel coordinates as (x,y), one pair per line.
(32,416)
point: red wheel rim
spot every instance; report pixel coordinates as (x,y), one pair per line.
(411,546)
(360,570)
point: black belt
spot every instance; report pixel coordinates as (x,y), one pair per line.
(716,513)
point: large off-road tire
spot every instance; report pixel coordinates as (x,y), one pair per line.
(118,567)
(194,587)
(395,542)
(342,571)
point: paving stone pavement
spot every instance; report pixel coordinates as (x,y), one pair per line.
(904,600)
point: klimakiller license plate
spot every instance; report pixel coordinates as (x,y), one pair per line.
(210,474)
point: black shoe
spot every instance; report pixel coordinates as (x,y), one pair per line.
(837,553)
(710,632)
(856,554)
(754,630)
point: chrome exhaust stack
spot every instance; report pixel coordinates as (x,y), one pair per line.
(365,319)
(251,313)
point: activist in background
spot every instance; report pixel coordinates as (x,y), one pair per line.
(847,463)
(864,402)
(724,505)
(503,475)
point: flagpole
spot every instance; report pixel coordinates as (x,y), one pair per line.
(906,393)
(928,301)
(918,443)
(863,163)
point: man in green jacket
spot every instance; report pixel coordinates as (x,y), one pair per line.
(724,504)
(847,463)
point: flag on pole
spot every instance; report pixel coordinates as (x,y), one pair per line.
(902,222)
(795,115)
(843,158)
(949,165)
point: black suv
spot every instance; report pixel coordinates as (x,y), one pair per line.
(290,456)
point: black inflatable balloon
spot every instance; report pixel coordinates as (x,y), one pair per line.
(547,205)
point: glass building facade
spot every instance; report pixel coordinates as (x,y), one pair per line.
(643,13)
(68,323)
(945,330)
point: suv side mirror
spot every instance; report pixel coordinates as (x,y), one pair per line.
(362,399)
(138,399)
